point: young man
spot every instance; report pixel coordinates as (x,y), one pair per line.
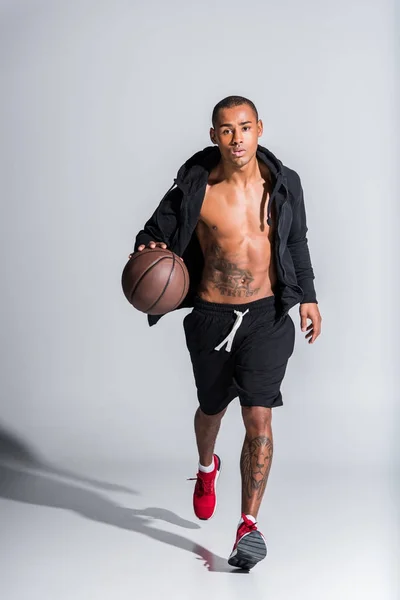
(237,219)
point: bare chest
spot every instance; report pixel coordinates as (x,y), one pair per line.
(228,212)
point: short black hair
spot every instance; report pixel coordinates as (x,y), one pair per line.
(229,102)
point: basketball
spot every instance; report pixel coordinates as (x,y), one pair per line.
(155,281)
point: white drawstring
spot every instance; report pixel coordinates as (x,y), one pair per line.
(229,338)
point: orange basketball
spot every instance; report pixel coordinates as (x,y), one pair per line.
(155,281)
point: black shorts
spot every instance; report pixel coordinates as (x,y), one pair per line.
(251,365)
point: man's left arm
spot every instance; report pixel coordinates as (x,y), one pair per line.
(298,247)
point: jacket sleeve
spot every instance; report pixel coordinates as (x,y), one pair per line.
(164,221)
(298,248)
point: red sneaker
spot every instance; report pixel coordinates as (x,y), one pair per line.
(250,546)
(204,496)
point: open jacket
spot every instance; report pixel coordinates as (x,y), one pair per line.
(175,219)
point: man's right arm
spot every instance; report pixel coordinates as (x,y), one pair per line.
(163,223)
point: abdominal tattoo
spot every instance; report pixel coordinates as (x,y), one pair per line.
(227,277)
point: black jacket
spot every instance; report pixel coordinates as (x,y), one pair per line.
(175,219)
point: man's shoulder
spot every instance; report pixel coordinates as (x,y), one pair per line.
(292,176)
(293,181)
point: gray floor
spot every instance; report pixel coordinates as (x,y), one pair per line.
(124,532)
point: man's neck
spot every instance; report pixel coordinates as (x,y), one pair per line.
(240,177)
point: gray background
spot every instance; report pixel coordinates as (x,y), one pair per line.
(101,103)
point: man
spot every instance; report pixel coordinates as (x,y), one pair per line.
(237,219)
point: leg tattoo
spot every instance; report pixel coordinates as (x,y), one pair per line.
(255,465)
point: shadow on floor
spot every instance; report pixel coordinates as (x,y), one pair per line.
(23,478)
(13,450)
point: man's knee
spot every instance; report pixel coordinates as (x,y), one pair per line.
(256,418)
(214,417)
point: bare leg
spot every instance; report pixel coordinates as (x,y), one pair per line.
(206,429)
(256,457)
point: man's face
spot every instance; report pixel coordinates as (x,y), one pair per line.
(236,133)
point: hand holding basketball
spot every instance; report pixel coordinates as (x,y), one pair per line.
(153,280)
(152,244)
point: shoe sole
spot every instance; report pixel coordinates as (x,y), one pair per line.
(215,490)
(249,551)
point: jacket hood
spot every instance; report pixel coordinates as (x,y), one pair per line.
(193,174)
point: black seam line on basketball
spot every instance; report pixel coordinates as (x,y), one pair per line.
(156,261)
(166,285)
(137,254)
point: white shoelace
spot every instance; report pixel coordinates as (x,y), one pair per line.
(229,338)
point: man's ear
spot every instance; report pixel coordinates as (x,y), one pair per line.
(212,136)
(260,128)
